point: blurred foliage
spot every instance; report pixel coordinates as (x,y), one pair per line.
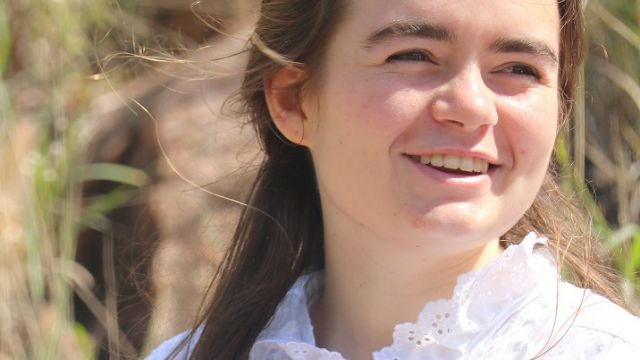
(600,152)
(47,59)
(51,70)
(612,133)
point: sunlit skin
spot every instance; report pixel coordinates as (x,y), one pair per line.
(411,78)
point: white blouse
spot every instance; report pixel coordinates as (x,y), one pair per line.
(515,307)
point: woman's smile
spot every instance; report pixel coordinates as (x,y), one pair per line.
(454,170)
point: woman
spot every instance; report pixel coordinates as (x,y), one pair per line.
(407,146)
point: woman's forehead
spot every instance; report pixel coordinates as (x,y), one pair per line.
(533,17)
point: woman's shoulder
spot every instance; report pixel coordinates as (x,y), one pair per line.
(596,329)
(601,314)
(168,347)
(563,322)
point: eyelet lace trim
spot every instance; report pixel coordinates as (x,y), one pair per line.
(446,327)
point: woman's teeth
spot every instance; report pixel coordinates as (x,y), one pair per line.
(452,162)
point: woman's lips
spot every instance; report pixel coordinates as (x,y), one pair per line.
(453,164)
(431,177)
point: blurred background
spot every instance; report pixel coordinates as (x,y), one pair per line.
(117,152)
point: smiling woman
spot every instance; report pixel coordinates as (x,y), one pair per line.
(407,153)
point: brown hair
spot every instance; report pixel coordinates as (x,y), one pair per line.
(280,232)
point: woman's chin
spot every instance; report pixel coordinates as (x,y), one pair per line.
(468,226)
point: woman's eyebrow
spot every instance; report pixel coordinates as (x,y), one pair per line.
(409,28)
(441,33)
(527,46)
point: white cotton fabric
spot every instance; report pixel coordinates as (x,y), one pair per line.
(515,307)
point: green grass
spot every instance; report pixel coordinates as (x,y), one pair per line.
(612,137)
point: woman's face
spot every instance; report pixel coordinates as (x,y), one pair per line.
(435,119)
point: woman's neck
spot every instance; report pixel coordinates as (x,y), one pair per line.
(372,285)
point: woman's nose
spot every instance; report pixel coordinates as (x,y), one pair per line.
(465,101)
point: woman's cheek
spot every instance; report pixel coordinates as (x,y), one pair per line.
(533,120)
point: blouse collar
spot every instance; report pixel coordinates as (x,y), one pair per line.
(444,328)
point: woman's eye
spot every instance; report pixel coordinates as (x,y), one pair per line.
(413,55)
(521,70)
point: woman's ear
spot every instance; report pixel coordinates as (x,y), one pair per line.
(283,94)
